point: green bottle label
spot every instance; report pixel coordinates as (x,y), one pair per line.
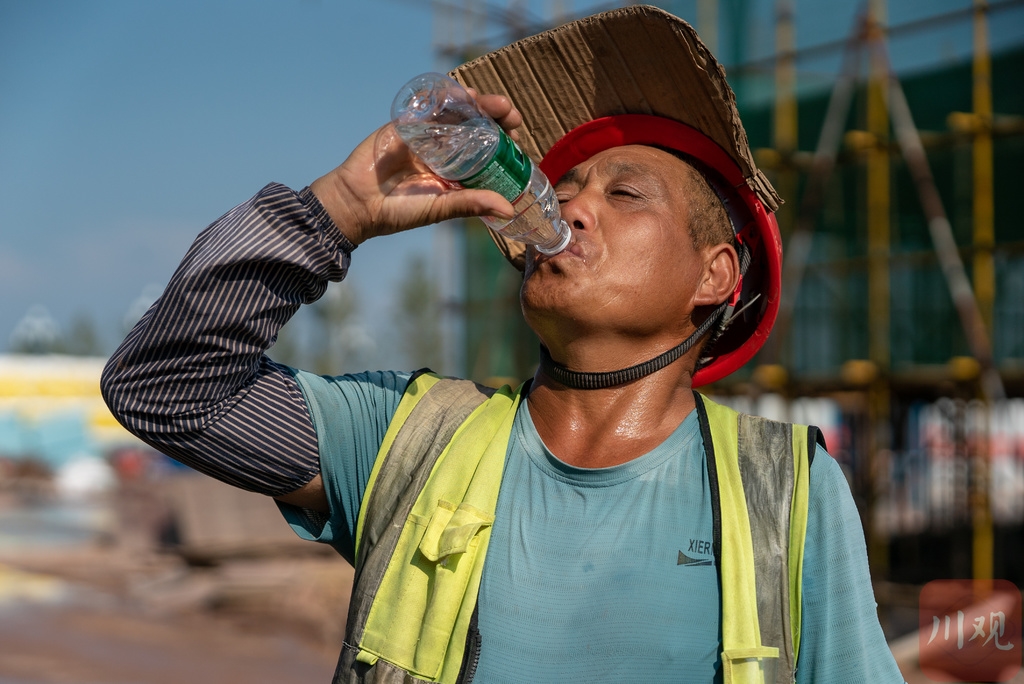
(507,174)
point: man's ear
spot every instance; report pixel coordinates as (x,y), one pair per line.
(721,273)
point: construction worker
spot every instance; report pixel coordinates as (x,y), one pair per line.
(602,522)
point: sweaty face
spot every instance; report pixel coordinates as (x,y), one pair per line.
(632,269)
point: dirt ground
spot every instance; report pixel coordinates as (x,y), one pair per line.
(116,646)
(87,617)
(81,606)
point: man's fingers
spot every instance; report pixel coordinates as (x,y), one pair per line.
(501,110)
(498,106)
(465,203)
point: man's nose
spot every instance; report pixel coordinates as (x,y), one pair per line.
(579,212)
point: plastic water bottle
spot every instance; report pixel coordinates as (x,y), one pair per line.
(442,125)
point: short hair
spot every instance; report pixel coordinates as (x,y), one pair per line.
(709,222)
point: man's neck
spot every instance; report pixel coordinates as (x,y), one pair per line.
(605,427)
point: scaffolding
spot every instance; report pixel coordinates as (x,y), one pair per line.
(903,301)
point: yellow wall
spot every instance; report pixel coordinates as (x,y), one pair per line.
(34,387)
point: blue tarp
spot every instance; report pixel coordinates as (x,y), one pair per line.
(54,439)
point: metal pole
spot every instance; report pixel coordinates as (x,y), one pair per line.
(786,130)
(984,276)
(942,237)
(878,186)
(798,248)
(707,23)
(984,205)
(878,201)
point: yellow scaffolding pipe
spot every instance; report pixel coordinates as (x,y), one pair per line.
(786,130)
(984,270)
(984,203)
(878,210)
(707,23)
(878,201)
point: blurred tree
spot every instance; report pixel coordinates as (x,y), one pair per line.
(419,316)
(36,333)
(140,305)
(339,342)
(82,338)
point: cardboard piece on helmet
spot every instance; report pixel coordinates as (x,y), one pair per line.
(634,60)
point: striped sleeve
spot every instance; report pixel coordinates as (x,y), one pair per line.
(191,378)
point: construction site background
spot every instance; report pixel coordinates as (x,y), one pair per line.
(108,548)
(919,393)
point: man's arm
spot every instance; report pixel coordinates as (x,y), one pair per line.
(841,639)
(191,378)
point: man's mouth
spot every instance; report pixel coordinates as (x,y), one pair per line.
(575,249)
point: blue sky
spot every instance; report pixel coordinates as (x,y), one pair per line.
(126,127)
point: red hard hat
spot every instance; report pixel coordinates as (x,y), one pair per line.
(757,294)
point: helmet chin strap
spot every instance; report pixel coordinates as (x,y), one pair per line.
(719,319)
(587,381)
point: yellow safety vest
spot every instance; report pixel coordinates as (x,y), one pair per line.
(426,516)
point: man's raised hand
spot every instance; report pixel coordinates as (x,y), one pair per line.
(382,188)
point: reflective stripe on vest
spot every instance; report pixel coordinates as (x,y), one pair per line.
(758,470)
(426,517)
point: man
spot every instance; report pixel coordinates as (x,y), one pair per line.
(601,523)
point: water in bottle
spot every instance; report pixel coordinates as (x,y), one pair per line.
(442,125)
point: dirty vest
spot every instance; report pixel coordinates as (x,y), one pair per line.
(426,516)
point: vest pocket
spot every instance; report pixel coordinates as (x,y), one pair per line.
(413,617)
(450,543)
(451,530)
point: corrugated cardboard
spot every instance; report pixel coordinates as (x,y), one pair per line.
(634,60)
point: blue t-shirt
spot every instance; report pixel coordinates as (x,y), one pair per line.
(608,574)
